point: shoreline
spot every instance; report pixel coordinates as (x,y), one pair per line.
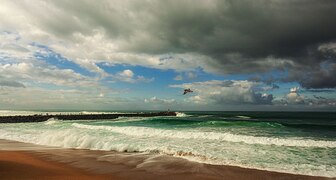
(17,158)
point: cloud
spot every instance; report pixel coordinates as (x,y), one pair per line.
(156,100)
(191,75)
(218,36)
(72,99)
(11,84)
(43,74)
(20,62)
(322,101)
(127,75)
(270,88)
(187,75)
(226,92)
(294,90)
(293,97)
(292,41)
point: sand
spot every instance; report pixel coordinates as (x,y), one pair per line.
(28,161)
(22,165)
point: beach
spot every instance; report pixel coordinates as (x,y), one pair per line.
(190,145)
(28,161)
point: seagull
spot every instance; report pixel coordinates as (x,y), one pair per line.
(187,91)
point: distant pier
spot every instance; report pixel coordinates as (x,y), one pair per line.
(41,118)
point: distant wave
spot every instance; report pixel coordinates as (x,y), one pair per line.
(51,121)
(152,132)
(312,126)
(180,114)
(243,117)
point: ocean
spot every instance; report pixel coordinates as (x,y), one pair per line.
(291,142)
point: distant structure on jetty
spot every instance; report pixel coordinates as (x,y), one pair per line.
(41,118)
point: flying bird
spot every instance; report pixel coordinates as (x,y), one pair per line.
(187,91)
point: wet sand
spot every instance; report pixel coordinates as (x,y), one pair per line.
(28,161)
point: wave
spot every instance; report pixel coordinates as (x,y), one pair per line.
(51,121)
(152,132)
(131,119)
(243,117)
(311,126)
(180,114)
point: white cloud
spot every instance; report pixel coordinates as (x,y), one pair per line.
(186,75)
(327,47)
(294,89)
(128,75)
(293,97)
(191,75)
(225,92)
(156,100)
(43,74)
(91,66)
(89,38)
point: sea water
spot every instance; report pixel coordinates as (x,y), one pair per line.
(292,142)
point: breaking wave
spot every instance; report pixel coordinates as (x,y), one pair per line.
(51,121)
(180,114)
(152,132)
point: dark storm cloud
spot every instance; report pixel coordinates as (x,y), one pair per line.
(240,36)
(255,36)
(252,28)
(315,76)
(263,99)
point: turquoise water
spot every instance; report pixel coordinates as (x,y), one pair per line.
(296,142)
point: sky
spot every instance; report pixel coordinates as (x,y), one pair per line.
(236,55)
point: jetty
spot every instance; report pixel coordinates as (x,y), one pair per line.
(41,118)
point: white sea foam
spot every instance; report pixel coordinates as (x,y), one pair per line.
(130,119)
(180,114)
(51,121)
(152,132)
(243,117)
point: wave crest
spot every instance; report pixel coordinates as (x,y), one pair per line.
(152,132)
